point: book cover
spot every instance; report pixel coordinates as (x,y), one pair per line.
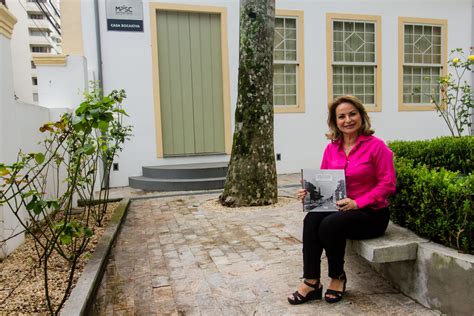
(324,187)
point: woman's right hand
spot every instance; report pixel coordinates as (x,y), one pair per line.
(301,194)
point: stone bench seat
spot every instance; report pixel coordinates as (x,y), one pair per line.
(397,244)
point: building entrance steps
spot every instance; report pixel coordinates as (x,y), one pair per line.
(181,177)
(178,255)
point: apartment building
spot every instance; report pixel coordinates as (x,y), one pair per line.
(36,33)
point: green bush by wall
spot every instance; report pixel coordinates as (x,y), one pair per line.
(452,153)
(436,204)
(433,198)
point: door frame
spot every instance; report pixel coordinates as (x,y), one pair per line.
(222,11)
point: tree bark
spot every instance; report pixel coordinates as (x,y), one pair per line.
(251,178)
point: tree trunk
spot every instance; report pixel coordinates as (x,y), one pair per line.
(251,178)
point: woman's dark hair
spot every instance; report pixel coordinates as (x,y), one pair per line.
(334,132)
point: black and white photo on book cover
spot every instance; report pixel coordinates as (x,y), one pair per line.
(324,187)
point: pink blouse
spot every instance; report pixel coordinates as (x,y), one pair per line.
(369,169)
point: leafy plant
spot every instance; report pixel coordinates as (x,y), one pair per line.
(435,185)
(436,204)
(451,153)
(71,152)
(456,102)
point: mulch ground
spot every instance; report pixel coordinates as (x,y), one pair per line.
(22,278)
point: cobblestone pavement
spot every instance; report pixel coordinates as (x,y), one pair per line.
(176,257)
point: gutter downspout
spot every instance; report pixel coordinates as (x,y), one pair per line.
(472,73)
(98,44)
(100,79)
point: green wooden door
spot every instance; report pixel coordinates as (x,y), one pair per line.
(190,71)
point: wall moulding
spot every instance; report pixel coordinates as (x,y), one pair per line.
(50,60)
(7,21)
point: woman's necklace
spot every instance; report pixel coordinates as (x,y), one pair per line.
(348,148)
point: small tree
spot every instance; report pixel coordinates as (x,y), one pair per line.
(251,178)
(456,100)
(72,148)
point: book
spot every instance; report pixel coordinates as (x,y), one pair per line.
(324,188)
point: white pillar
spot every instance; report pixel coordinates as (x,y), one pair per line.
(9,140)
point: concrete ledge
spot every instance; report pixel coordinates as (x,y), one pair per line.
(397,244)
(440,278)
(83,293)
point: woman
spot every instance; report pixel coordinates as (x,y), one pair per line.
(370,180)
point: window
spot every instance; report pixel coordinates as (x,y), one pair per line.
(33,66)
(288,63)
(36,16)
(422,60)
(34,81)
(40,49)
(353,43)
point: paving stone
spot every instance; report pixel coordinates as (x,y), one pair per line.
(174,257)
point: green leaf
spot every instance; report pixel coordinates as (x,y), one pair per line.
(39,157)
(76,120)
(3,171)
(65,239)
(32,203)
(121,111)
(88,232)
(28,194)
(103,126)
(89,149)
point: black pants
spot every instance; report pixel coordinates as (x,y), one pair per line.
(329,231)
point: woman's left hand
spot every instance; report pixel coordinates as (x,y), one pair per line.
(347,204)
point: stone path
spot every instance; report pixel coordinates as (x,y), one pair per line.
(176,257)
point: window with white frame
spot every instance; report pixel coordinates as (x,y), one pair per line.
(422,62)
(288,75)
(354,58)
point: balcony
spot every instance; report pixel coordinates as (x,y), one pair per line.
(38,24)
(40,40)
(32,8)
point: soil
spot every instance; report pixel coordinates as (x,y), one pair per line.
(214,204)
(22,281)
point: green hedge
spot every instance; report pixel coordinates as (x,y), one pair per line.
(452,153)
(435,188)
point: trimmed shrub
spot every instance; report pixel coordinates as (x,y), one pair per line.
(435,187)
(451,153)
(435,203)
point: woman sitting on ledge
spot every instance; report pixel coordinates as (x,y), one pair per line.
(370,180)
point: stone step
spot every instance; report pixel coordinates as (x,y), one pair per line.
(156,184)
(187,171)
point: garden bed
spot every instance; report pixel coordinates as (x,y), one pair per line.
(21,278)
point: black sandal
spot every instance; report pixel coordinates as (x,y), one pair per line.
(338,294)
(315,294)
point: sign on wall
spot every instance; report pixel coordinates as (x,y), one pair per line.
(124,15)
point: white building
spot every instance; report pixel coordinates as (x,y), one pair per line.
(380,50)
(178,62)
(36,33)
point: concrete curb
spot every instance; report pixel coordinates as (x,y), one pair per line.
(80,300)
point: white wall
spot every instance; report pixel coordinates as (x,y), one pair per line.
(299,138)
(19,124)
(62,86)
(21,55)
(8,138)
